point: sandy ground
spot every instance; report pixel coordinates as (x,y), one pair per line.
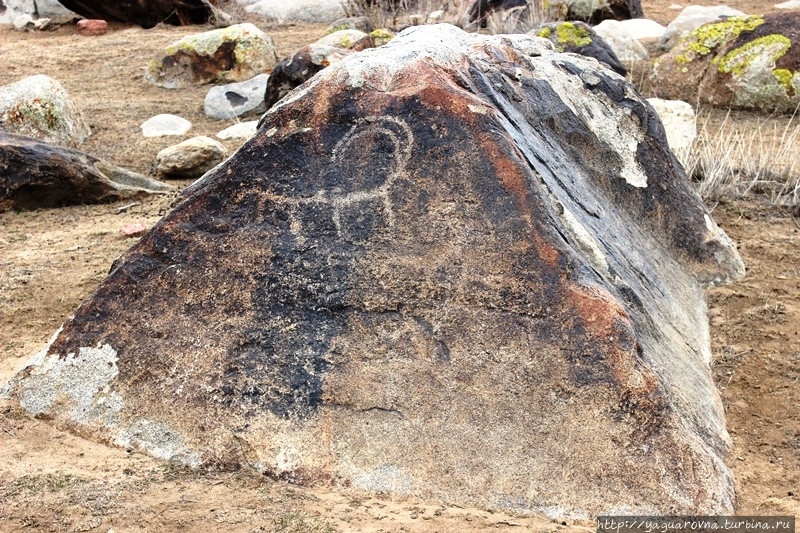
(51,259)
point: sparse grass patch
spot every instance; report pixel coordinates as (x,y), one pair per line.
(728,161)
(38,484)
(298,521)
(518,19)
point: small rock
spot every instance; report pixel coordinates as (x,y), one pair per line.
(641,29)
(243,130)
(92,27)
(191,158)
(435,16)
(165,124)
(42,24)
(235,99)
(675,7)
(791,4)
(679,123)
(624,45)
(342,38)
(39,106)
(283,11)
(135,229)
(350,23)
(23,23)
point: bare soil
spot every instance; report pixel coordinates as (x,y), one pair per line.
(50,260)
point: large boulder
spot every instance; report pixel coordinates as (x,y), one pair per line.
(148,13)
(36,175)
(580,38)
(744,62)
(235,53)
(691,18)
(460,267)
(283,12)
(39,106)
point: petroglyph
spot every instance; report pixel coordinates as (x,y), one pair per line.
(364,199)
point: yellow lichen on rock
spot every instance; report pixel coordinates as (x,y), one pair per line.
(568,34)
(381,36)
(772,47)
(709,37)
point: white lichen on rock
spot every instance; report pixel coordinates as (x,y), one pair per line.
(78,383)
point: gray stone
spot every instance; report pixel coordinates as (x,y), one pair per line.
(164,125)
(350,23)
(15,8)
(691,18)
(190,159)
(680,124)
(342,38)
(791,4)
(39,106)
(23,23)
(53,10)
(283,12)
(235,99)
(625,46)
(643,29)
(745,63)
(242,130)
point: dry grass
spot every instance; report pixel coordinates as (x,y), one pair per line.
(398,13)
(731,162)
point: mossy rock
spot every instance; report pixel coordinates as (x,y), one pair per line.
(39,107)
(350,23)
(744,62)
(579,38)
(342,39)
(236,53)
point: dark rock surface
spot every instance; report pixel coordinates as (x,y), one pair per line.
(480,9)
(461,267)
(35,175)
(294,70)
(148,13)
(617,10)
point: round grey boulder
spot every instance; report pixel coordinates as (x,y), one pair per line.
(235,99)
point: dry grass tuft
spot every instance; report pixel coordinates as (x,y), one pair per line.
(729,162)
